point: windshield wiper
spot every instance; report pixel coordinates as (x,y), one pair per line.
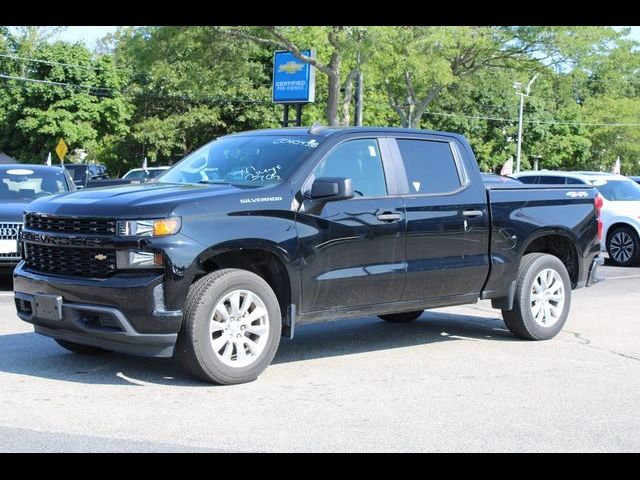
(222,182)
(214,182)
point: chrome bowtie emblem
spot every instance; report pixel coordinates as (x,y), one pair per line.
(100,257)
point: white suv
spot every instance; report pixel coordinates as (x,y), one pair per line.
(620,209)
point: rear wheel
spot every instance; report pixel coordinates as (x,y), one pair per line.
(81,349)
(403,317)
(231,328)
(542,300)
(623,246)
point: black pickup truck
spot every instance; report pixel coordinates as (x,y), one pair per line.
(258,232)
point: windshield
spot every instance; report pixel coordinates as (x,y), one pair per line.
(618,190)
(27,184)
(248,161)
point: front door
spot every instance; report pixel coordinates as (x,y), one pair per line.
(352,250)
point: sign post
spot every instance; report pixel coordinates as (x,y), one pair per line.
(294,83)
(61,150)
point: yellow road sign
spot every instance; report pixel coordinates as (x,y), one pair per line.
(61,149)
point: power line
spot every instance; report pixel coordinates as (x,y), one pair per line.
(219,100)
(544,122)
(50,82)
(49,62)
(210,100)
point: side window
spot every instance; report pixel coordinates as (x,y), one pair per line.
(430,166)
(530,179)
(574,181)
(360,161)
(549,180)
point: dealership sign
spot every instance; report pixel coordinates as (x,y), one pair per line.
(294,81)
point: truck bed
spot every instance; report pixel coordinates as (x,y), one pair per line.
(520,214)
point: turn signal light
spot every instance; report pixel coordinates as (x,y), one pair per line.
(166,226)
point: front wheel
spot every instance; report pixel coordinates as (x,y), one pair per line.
(231,327)
(542,300)
(623,247)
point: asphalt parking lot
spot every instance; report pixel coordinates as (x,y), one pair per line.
(455,380)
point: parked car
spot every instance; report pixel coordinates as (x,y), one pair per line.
(634,178)
(620,210)
(138,175)
(20,184)
(82,173)
(259,231)
(495,179)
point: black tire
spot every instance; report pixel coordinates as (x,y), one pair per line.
(403,317)
(81,349)
(520,321)
(623,246)
(194,348)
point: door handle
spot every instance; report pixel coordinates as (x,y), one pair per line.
(472,213)
(389,217)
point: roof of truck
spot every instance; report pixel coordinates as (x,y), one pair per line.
(322,131)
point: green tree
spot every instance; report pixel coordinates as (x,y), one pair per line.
(189,85)
(65,93)
(415,65)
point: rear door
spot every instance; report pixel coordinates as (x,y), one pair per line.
(447,218)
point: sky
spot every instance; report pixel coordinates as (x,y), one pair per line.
(90,35)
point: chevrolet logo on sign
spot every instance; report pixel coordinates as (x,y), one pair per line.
(291,67)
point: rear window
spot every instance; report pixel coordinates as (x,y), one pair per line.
(574,181)
(549,180)
(134,175)
(618,190)
(430,166)
(529,179)
(77,171)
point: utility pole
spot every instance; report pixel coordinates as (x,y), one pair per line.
(359,98)
(359,83)
(517,85)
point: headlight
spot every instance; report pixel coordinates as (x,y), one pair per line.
(133,259)
(149,228)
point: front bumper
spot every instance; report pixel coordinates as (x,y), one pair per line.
(123,313)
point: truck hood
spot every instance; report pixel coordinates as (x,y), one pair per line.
(145,200)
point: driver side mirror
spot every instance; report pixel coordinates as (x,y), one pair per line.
(331,189)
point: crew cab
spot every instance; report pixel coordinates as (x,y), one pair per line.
(256,233)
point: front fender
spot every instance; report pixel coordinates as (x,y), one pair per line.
(271,231)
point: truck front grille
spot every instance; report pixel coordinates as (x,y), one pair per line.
(80,262)
(91,226)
